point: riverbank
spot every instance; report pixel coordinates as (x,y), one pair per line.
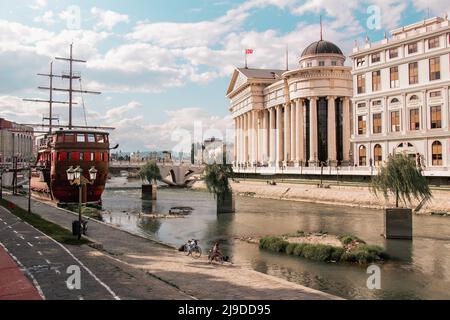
(353,196)
(194,278)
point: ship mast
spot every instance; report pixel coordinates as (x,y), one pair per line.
(71,76)
(50,102)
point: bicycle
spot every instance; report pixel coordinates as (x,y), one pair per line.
(193,249)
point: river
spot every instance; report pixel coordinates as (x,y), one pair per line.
(418,269)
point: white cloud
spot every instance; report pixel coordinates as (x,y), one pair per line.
(437,7)
(47,18)
(38,4)
(108,19)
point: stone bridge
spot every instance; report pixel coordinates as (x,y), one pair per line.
(173,174)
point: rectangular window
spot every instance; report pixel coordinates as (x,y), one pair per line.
(91,137)
(69,137)
(394,77)
(361,124)
(100,138)
(60,138)
(376,80)
(412,48)
(377,127)
(362,105)
(435,68)
(436,117)
(414,120)
(395,121)
(393,53)
(321,63)
(361,83)
(360,62)
(81,137)
(376,57)
(334,63)
(433,43)
(414,73)
(437,154)
(309,64)
(376,103)
(435,94)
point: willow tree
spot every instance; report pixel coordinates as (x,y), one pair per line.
(400,177)
(150,173)
(217,181)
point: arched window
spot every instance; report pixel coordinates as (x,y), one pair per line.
(378,155)
(413,98)
(362,156)
(436,151)
(395,100)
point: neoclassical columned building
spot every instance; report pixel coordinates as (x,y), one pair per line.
(294,118)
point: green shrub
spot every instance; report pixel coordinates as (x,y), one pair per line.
(347,239)
(337,253)
(273,244)
(363,254)
(290,248)
(298,250)
(317,252)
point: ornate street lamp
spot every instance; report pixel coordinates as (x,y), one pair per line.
(75,177)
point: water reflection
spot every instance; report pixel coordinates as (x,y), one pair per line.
(419,269)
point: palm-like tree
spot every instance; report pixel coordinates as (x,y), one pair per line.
(400,177)
(217,180)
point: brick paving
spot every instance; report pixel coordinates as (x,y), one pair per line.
(194,278)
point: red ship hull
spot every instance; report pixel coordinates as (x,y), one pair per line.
(65,149)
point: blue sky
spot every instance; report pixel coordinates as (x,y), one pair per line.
(162,65)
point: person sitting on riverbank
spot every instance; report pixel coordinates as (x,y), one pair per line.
(215,253)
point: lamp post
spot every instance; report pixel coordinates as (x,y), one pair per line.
(75,177)
(29,188)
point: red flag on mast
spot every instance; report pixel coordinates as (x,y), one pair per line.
(248,51)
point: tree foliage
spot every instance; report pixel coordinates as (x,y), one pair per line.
(217,179)
(150,172)
(400,177)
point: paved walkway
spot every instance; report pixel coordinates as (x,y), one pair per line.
(14,285)
(46,263)
(194,278)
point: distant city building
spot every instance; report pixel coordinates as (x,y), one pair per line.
(15,140)
(300,117)
(401,97)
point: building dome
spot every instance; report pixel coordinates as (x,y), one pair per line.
(321,47)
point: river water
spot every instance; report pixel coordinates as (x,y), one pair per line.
(418,269)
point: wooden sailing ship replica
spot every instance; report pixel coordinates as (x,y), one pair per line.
(62,147)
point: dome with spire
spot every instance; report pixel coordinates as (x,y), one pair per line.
(321,47)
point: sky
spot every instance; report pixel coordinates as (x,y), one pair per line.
(163,67)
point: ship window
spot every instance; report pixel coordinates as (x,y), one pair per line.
(100,138)
(81,138)
(75,156)
(60,138)
(88,156)
(105,156)
(69,155)
(106,138)
(69,137)
(98,156)
(81,156)
(91,137)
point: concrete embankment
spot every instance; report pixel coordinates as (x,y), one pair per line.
(194,278)
(354,196)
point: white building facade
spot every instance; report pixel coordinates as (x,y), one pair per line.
(293,119)
(401,97)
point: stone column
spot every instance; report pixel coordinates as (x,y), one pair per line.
(313,138)
(279,134)
(287,133)
(255,130)
(299,156)
(446,111)
(331,121)
(245,135)
(236,139)
(346,129)
(293,132)
(266,135)
(272,137)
